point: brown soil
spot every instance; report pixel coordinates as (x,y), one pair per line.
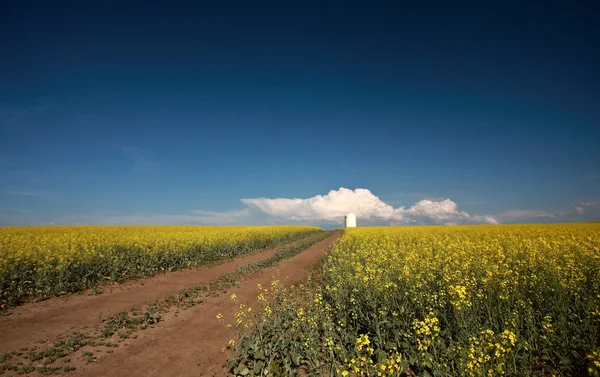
(37,322)
(191,343)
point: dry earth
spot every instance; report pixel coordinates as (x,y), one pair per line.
(188,343)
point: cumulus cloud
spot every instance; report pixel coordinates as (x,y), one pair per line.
(365,205)
(319,209)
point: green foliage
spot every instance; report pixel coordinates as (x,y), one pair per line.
(126,323)
(436,301)
(42,262)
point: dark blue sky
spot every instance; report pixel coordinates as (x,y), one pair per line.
(122,111)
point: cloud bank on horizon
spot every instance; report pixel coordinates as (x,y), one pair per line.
(366,206)
(324,209)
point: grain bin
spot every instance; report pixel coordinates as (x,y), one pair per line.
(350,220)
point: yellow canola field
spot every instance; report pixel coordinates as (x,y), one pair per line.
(38,262)
(471,300)
(482,300)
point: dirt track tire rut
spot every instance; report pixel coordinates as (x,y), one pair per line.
(37,322)
(191,344)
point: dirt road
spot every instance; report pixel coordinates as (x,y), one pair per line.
(187,344)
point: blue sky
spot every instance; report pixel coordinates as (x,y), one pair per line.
(111,112)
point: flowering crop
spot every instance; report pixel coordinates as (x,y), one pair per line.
(448,301)
(39,262)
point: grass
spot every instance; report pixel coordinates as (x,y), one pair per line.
(88,356)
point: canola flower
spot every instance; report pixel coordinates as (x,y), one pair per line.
(40,262)
(485,300)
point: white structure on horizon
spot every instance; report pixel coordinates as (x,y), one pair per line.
(350,220)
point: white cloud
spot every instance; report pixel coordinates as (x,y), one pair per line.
(484,219)
(591,203)
(323,209)
(332,206)
(365,205)
(588,207)
(194,217)
(221,217)
(525,215)
(25,193)
(440,210)
(319,209)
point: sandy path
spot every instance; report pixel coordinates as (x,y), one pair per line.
(191,343)
(40,321)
